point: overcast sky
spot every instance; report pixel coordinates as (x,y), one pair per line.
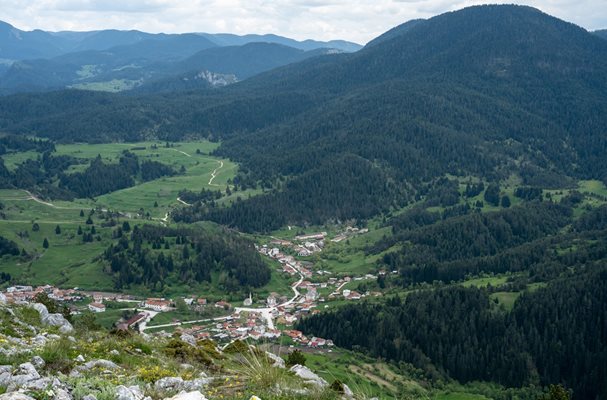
(354,20)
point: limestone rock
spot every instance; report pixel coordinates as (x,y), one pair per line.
(348,394)
(53,319)
(129,393)
(15,396)
(195,395)
(189,339)
(80,358)
(307,375)
(278,361)
(28,369)
(61,394)
(169,383)
(39,340)
(38,362)
(41,308)
(5,378)
(196,384)
(2,299)
(98,364)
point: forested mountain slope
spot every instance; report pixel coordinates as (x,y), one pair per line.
(487,91)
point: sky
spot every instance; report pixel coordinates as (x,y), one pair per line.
(354,20)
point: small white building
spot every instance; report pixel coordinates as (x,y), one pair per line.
(97,307)
(158,305)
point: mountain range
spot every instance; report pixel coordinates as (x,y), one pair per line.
(488,91)
(115,60)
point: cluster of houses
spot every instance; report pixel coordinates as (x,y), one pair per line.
(251,326)
(26,294)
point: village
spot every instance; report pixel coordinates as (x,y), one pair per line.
(270,319)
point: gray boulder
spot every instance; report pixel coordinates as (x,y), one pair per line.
(28,369)
(89,397)
(38,362)
(61,394)
(15,396)
(39,340)
(189,339)
(23,383)
(129,393)
(42,310)
(195,395)
(2,299)
(278,361)
(98,364)
(5,378)
(196,384)
(307,375)
(53,319)
(169,383)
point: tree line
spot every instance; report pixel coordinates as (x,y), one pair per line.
(553,335)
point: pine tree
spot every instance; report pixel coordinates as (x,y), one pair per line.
(58,230)
(45,243)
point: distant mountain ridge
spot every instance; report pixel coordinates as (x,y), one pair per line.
(16,44)
(113,60)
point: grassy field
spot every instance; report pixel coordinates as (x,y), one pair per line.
(362,374)
(68,262)
(201,172)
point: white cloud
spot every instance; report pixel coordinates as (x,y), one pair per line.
(356,20)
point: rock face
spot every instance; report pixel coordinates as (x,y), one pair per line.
(53,319)
(2,299)
(307,375)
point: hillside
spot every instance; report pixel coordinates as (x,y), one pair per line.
(446,95)
(43,354)
(601,33)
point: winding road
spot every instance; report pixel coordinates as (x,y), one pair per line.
(214,174)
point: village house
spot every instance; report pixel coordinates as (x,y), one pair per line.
(134,320)
(157,304)
(97,307)
(223,304)
(353,295)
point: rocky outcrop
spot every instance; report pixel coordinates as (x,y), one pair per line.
(277,361)
(195,395)
(307,375)
(105,364)
(15,396)
(129,393)
(57,320)
(178,384)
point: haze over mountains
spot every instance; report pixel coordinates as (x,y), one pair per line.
(115,60)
